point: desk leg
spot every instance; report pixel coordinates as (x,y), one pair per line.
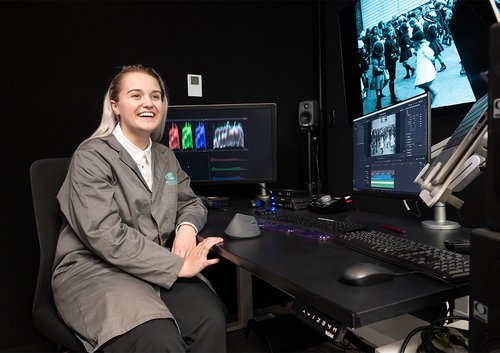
(245,299)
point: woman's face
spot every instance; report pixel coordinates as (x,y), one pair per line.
(139,107)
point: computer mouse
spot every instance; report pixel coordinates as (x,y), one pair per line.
(365,274)
(256,203)
(242,227)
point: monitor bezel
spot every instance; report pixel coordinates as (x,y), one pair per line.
(395,195)
(230,106)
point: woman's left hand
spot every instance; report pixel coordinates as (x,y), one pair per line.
(185,240)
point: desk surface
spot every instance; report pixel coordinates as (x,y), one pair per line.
(309,269)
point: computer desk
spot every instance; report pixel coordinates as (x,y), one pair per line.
(309,269)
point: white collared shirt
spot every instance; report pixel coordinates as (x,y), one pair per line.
(143,160)
(141,157)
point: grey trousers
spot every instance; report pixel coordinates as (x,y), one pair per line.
(198,311)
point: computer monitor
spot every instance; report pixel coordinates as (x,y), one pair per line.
(390,147)
(224,143)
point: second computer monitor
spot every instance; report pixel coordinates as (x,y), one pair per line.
(224,143)
(390,148)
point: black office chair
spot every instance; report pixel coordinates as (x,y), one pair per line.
(47,176)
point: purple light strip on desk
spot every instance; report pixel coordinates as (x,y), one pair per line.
(293,230)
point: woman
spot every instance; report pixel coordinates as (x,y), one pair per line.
(405,45)
(364,66)
(378,67)
(124,198)
(426,72)
(391,52)
(436,45)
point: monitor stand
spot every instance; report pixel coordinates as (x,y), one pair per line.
(440,221)
(312,186)
(263,195)
(269,201)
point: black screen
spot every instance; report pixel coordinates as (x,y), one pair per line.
(470,25)
(390,147)
(224,143)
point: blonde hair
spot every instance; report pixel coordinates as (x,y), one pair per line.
(109,119)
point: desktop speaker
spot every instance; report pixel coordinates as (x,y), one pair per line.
(308,114)
(493,158)
(484,305)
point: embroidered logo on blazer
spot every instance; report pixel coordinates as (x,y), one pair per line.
(170,179)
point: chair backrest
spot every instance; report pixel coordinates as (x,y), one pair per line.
(47,176)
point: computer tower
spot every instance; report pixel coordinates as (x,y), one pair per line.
(493,159)
(484,305)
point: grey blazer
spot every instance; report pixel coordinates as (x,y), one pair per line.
(111,258)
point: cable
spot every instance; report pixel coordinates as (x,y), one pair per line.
(435,328)
(451,308)
(408,208)
(409,336)
(431,332)
(318,176)
(418,209)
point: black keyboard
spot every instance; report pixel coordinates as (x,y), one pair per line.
(320,223)
(447,265)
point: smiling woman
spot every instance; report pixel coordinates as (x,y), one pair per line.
(139,107)
(109,117)
(115,282)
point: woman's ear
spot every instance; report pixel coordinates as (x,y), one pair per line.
(115,108)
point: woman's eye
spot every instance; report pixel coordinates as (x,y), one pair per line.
(156,98)
(136,95)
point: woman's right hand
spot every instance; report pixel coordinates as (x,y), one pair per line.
(196,259)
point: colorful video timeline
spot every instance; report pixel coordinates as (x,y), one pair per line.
(382,179)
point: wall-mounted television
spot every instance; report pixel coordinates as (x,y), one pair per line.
(219,144)
(361,22)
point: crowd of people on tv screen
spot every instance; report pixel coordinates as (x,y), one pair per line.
(422,33)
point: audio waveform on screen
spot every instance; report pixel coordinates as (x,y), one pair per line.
(229,135)
(173,138)
(227,169)
(187,136)
(382,179)
(200,137)
(228,178)
(231,159)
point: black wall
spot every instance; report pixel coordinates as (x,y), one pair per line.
(58,58)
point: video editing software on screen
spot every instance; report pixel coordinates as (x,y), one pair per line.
(390,147)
